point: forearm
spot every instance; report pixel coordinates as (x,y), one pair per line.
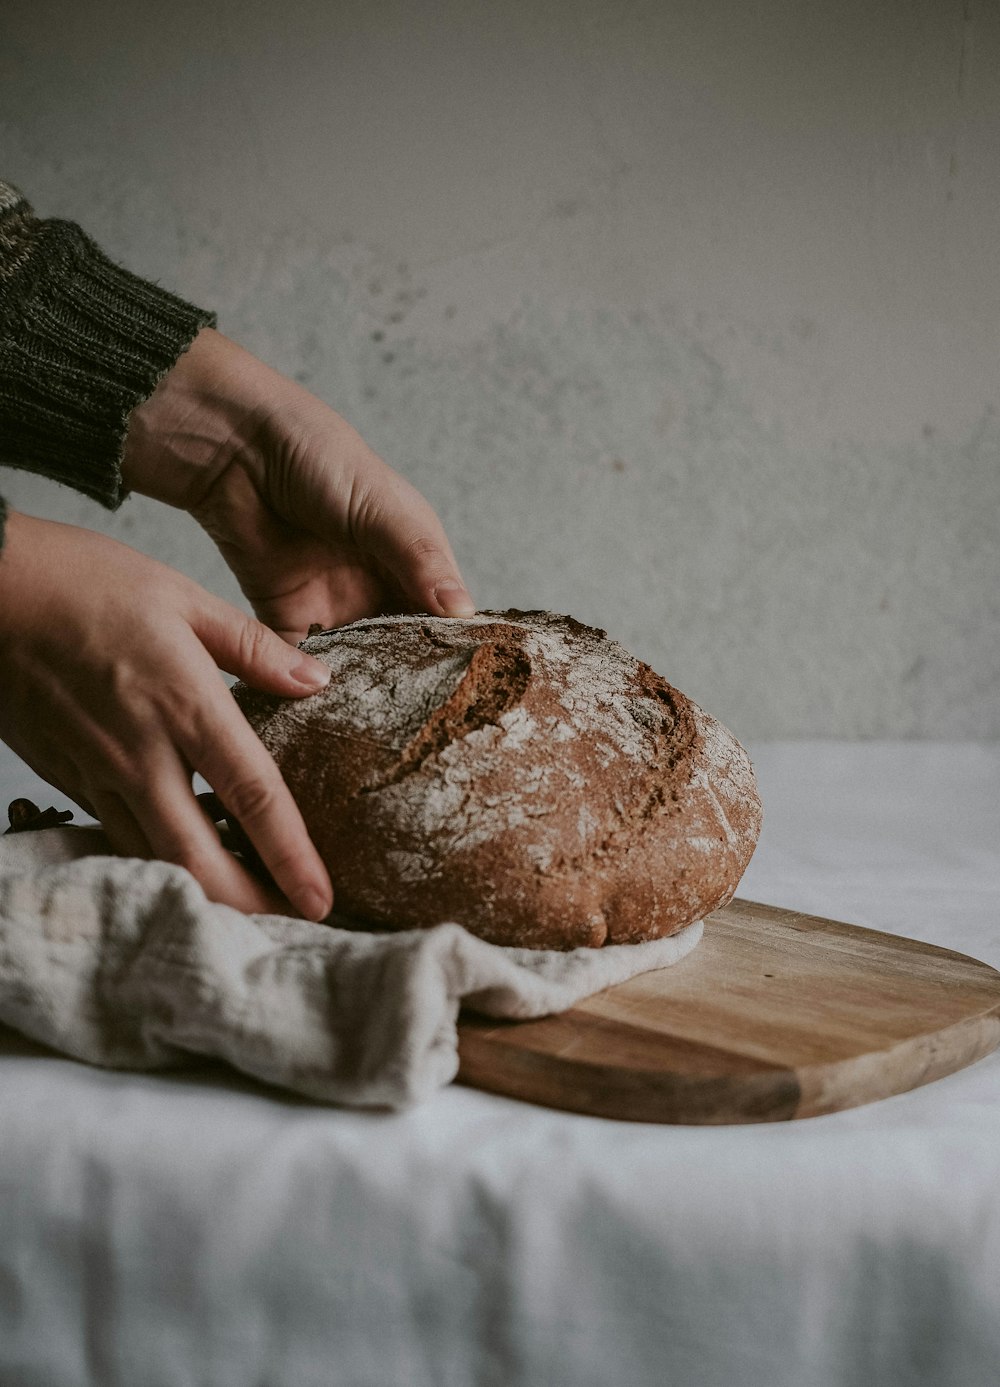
(82,343)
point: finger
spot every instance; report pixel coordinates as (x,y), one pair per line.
(397,526)
(227,752)
(119,824)
(178,831)
(243,646)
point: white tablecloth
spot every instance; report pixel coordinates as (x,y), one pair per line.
(201,1230)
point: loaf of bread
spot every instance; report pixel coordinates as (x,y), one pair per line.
(515,771)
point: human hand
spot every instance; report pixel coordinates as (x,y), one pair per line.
(112,693)
(315,526)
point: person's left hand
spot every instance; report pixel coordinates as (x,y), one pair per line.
(315,526)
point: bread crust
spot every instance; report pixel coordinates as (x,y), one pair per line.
(515,771)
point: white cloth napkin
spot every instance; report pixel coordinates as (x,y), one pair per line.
(124,963)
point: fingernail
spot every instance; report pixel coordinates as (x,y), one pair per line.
(311,674)
(313,904)
(453,599)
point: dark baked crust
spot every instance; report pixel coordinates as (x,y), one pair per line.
(517,772)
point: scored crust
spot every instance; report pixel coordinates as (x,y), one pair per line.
(514,771)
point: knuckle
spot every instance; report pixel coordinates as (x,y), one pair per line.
(423,548)
(251,799)
(253,641)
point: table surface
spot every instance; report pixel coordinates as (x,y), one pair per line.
(198,1229)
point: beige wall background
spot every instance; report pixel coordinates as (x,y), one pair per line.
(686,317)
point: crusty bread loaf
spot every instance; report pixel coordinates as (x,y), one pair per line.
(515,771)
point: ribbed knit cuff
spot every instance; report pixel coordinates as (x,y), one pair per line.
(82,343)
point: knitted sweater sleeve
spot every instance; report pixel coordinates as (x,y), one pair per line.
(82,342)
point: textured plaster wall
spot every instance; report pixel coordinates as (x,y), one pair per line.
(685,317)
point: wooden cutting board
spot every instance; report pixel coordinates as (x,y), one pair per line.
(774,1015)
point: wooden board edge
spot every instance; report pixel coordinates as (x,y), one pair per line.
(670,1099)
(913,1062)
(626,1095)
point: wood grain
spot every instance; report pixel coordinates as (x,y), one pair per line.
(775,1015)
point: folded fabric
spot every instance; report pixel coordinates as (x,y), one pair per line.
(125,963)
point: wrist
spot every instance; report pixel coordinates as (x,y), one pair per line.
(203,411)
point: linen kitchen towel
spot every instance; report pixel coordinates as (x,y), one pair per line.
(125,963)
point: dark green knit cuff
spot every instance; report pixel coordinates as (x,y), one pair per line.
(82,343)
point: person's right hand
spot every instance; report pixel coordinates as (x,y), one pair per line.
(111,692)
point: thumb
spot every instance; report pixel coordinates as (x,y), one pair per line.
(247,648)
